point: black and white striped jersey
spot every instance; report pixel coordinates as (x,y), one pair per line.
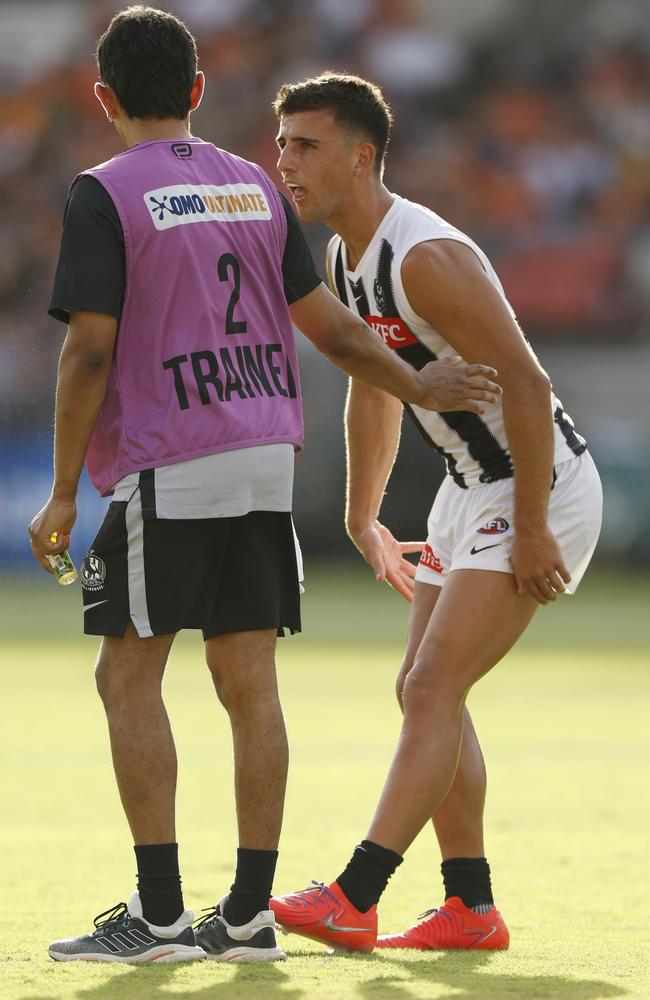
(474,447)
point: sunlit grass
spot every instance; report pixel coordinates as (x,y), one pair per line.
(564,727)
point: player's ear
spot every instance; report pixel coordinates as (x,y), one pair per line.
(365,154)
(107,99)
(198,88)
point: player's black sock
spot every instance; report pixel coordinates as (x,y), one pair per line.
(159,883)
(367,874)
(469,879)
(251,890)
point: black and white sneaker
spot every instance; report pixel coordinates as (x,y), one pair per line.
(123,935)
(252,942)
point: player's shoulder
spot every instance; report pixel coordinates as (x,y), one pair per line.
(426,238)
(441,262)
(411,215)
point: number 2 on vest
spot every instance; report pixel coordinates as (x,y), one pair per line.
(227,262)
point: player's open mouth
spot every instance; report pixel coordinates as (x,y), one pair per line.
(297,192)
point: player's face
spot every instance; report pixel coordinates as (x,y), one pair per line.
(316,161)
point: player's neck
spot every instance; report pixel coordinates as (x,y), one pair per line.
(358,223)
(134,131)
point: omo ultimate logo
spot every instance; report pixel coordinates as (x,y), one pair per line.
(498,526)
(183,203)
(93,573)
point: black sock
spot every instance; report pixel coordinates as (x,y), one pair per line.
(159,883)
(367,874)
(251,890)
(469,879)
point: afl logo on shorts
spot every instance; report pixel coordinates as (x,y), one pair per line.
(93,572)
(495,527)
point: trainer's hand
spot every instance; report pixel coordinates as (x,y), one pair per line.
(386,556)
(56,516)
(538,566)
(452,384)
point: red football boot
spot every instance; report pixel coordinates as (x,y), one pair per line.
(324,913)
(454,925)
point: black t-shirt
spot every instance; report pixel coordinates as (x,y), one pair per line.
(90,274)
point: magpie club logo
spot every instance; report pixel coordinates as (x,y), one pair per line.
(93,573)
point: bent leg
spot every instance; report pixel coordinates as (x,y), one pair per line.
(129,677)
(458,821)
(476,620)
(242,665)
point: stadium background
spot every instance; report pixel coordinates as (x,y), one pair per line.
(526,124)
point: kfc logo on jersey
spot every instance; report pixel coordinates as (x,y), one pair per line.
(393,331)
(430,560)
(495,527)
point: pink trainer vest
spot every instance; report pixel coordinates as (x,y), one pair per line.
(205,359)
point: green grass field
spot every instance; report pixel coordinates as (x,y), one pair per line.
(564,724)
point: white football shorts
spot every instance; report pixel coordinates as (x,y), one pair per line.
(474,529)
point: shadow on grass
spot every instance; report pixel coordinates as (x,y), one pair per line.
(146,982)
(465,974)
(461,973)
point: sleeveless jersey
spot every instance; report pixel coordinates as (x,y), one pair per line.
(205,359)
(475,448)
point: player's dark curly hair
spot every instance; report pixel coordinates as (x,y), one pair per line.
(148,58)
(354,102)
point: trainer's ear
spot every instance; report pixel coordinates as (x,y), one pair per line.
(108,100)
(198,89)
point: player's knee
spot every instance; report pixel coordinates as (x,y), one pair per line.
(418,693)
(105,680)
(429,691)
(225,683)
(229,691)
(120,683)
(239,693)
(401,680)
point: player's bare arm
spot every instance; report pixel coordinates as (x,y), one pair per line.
(81,384)
(373,423)
(446,285)
(350,344)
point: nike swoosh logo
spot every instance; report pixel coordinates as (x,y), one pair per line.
(331,926)
(481,936)
(87,607)
(474,550)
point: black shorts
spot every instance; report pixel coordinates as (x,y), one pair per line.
(222,574)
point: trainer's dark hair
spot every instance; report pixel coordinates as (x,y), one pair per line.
(355,103)
(148,58)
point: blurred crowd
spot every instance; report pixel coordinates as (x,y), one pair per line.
(527,130)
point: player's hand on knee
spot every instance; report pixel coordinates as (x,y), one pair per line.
(386,555)
(538,566)
(55,518)
(452,384)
